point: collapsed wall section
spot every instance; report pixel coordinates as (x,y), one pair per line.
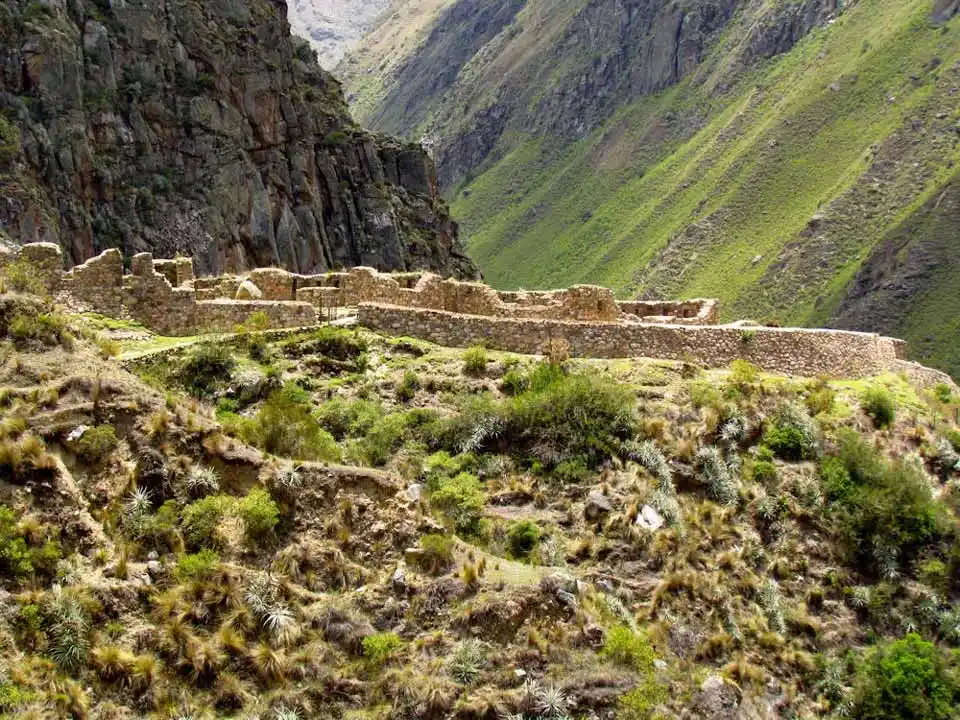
(789,351)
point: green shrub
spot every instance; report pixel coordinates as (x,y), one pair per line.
(18,559)
(198,566)
(792,435)
(388,434)
(571,471)
(638,704)
(523,538)
(335,343)
(765,472)
(879,404)
(284,425)
(886,510)
(836,478)
(514,382)
(436,553)
(441,466)
(158,531)
(96,443)
(15,556)
(344,418)
(743,372)
(570,417)
(408,386)
(462,500)
(259,513)
(953,437)
(908,679)
(943,393)
(207,366)
(821,400)
(23,277)
(46,328)
(380,647)
(475,360)
(626,648)
(201,520)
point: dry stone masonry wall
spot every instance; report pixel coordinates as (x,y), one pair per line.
(165,296)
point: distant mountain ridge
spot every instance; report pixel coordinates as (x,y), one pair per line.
(771,154)
(333,26)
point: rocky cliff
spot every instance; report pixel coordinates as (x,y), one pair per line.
(766,152)
(203,128)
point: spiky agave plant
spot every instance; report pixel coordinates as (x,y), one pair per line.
(69,631)
(715,474)
(201,481)
(467,661)
(138,503)
(552,703)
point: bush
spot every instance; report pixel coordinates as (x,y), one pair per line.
(285,425)
(18,559)
(569,417)
(388,434)
(205,368)
(408,386)
(436,553)
(743,372)
(259,513)
(765,472)
(201,520)
(344,418)
(626,648)
(462,500)
(879,404)
(514,382)
(338,344)
(380,647)
(475,361)
(523,538)
(198,566)
(792,435)
(22,276)
(887,510)
(907,679)
(836,479)
(96,443)
(45,328)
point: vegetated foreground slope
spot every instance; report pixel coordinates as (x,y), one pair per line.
(510,537)
(203,128)
(763,153)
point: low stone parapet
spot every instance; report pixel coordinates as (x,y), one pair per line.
(791,351)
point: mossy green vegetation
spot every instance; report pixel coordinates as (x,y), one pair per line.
(755,184)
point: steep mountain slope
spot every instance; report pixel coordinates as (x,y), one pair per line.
(203,128)
(333,26)
(754,151)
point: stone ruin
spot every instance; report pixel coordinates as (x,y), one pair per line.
(166,296)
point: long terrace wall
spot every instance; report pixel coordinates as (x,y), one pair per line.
(792,351)
(147,296)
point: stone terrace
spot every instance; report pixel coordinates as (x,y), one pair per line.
(165,296)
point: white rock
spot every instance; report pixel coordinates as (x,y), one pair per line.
(415,492)
(650,519)
(77,433)
(248,291)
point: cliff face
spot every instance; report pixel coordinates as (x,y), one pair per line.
(203,128)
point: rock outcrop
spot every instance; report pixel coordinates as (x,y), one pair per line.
(333,26)
(203,128)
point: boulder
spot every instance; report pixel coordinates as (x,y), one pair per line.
(248,291)
(717,699)
(650,519)
(597,506)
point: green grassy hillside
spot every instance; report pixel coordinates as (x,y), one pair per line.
(641,208)
(766,157)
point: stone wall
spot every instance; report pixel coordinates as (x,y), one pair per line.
(790,351)
(681,312)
